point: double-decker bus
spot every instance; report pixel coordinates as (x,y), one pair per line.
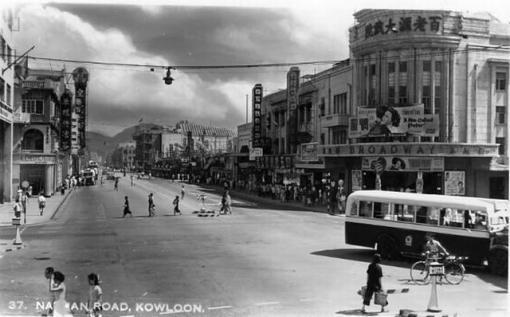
(395,224)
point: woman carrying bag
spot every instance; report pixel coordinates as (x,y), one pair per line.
(374,285)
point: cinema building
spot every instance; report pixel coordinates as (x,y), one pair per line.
(430,108)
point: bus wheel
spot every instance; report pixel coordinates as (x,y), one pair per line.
(498,261)
(387,247)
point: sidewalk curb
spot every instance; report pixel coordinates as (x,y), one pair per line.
(69,192)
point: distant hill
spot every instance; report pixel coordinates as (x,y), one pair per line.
(104,145)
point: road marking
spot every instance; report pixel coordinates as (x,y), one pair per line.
(308,299)
(267,303)
(144,294)
(219,307)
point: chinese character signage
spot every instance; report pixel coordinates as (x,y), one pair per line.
(387,121)
(256,115)
(429,24)
(81,77)
(292,88)
(65,120)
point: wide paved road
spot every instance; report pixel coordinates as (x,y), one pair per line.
(258,262)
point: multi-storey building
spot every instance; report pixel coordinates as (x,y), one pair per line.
(37,159)
(421,105)
(127,157)
(6,104)
(430,110)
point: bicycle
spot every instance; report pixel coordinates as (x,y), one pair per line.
(453,269)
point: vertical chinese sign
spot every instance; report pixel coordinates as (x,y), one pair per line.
(81,77)
(292,101)
(65,124)
(256,115)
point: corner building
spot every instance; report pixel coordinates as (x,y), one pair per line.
(430,103)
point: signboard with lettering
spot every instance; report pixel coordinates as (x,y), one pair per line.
(65,120)
(257,115)
(398,163)
(410,149)
(407,24)
(81,77)
(309,152)
(255,152)
(387,121)
(292,102)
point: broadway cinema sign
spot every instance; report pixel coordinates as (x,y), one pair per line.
(411,149)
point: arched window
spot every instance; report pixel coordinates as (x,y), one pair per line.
(33,140)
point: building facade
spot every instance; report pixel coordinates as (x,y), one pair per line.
(430,109)
(6,104)
(421,105)
(38,162)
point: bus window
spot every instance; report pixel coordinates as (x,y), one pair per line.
(354,208)
(433,215)
(480,222)
(421,214)
(451,217)
(407,213)
(365,208)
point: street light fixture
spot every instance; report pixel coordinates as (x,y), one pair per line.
(168,79)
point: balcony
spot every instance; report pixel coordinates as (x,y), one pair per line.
(21,117)
(334,120)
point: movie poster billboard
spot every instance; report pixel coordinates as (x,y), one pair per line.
(398,163)
(387,121)
(309,152)
(357,180)
(454,183)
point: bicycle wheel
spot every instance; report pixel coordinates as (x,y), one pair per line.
(453,273)
(420,273)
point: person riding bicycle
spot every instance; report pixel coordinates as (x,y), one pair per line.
(433,248)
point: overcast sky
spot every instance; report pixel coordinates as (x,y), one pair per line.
(200,33)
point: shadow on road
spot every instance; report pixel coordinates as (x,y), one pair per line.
(365,255)
(356,312)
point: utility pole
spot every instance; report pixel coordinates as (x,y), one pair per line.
(246,108)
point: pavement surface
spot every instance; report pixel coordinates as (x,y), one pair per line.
(259,261)
(33,217)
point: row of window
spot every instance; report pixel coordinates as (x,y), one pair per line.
(5,51)
(5,92)
(449,217)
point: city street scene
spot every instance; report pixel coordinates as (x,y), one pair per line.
(264,158)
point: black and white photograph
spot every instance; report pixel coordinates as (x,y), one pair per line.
(254,158)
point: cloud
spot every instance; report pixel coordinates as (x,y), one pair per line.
(119,95)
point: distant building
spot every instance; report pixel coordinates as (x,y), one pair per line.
(127,150)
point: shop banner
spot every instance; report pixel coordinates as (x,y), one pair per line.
(398,163)
(309,152)
(255,152)
(454,182)
(387,121)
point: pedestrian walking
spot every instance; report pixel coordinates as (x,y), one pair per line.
(176,206)
(182,192)
(17,208)
(126,207)
(341,196)
(152,207)
(132,180)
(228,203)
(48,274)
(42,203)
(116,184)
(95,301)
(374,285)
(24,202)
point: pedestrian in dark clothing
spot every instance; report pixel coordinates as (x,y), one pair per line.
(373,281)
(152,207)
(126,207)
(116,184)
(176,206)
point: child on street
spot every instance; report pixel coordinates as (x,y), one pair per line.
(176,204)
(95,296)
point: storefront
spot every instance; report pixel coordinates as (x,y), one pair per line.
(39,171)
(432,168)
